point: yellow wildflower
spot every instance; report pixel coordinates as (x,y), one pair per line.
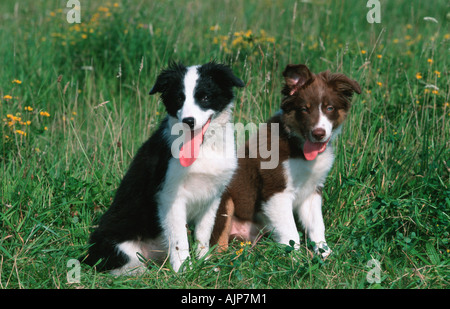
(103,9)
(437,73)
(45,114)
(418,75)
(214,28)
(430,61)
(28,108)
(7,97)
(16,81)
(363,52)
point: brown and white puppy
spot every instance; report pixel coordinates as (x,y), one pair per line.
(313,109)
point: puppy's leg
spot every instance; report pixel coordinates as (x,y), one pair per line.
(223,222)
(174,222)
(310,215)
(204,228)
(278,210)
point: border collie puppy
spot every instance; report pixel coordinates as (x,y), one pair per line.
(313,109)
(167,186)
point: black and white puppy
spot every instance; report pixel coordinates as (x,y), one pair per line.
(167,186)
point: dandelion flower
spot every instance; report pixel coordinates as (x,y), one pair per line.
(45,114)
(430,61)
(380,84)
(7,97)
(363,52)
(418,75)
(437,73)
(379,56)
(16,81)
(28,108)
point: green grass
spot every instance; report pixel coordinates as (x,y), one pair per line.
(387,197)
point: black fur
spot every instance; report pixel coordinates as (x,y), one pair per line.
(133,214)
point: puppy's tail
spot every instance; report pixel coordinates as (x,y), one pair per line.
(103,255)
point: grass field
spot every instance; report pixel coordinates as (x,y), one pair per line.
(74,109)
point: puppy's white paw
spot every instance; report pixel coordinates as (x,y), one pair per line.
(322,249)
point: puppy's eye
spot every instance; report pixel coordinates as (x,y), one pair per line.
(330,108)
(180,98)
(303,109)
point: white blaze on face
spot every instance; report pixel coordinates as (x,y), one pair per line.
(190,108)
(325,124)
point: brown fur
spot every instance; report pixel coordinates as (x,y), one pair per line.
(251,185)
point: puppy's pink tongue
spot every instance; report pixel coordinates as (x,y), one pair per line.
(191,146)
(311,150)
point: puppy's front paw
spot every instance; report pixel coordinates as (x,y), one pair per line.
(179,262)
(322,249)
(202,250)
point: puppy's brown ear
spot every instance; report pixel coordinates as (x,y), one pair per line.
(344,85)
(296,76)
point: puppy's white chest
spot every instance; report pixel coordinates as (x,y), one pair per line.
(303,177)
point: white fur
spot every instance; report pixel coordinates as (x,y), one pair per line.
(300,196)
(192,195)
(149,249)
(323,123)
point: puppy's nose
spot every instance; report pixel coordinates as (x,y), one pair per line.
(190,121)
(318,133)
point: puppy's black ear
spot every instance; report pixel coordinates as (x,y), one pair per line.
(296,76)
(222,75)
(167,77)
